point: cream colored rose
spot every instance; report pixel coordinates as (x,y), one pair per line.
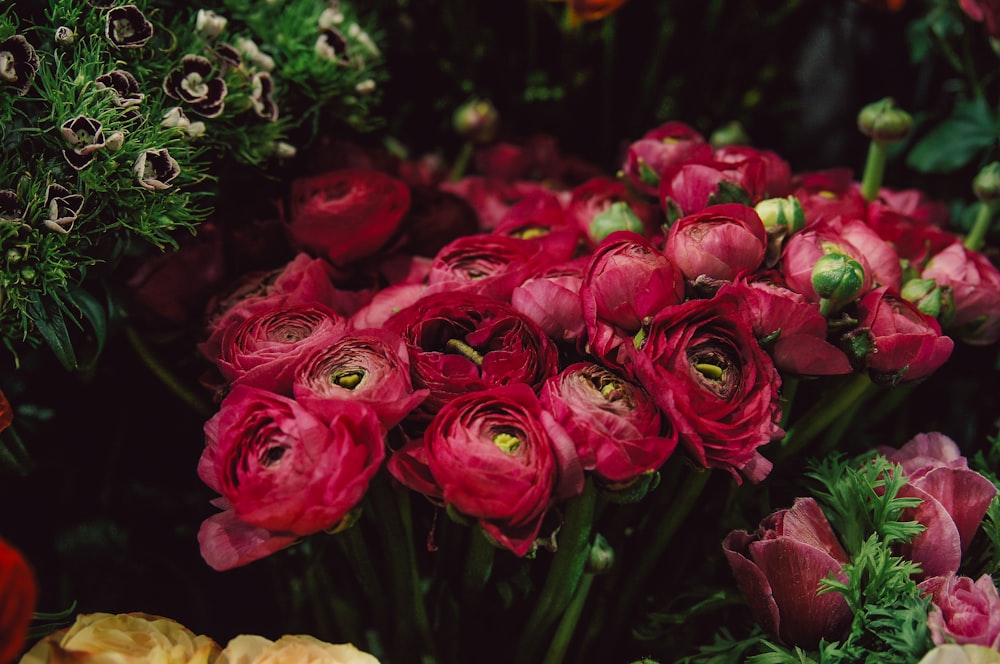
(131,638)
(291,649)
(956,654)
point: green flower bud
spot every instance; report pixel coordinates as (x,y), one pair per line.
(476,120)
(925,294)
(731,133)
(882,121)
(838,278)
(776,212)
(601,557)
(618,217)
(986,184)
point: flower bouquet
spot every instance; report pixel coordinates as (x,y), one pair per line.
(514,406)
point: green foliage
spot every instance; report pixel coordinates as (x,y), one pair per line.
(860,498)
(969,130)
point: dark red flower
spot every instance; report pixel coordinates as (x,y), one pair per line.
(702,365)
(18,63)
(666,146)
(974,283)
(346,215)
(986,12)
(552,300)
(825,195)
(464,342)
(194,83)
(497,457)
(779,568)
(126,27)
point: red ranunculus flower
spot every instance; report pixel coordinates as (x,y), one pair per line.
(552,300)
(691,188)
(495,456)
(668,145)
(790,328)
(975,288)
(777,172)
(464,342)
(596,196)
(702,365)
(370,366)
(18,594)
(283,472)
(804,248)
(719,242)
(894,340)
(779,569)
(825,195)
(346,215)
(265,340)
(617,429)
(491,197)
(963,611)
(6,412)
(953,498)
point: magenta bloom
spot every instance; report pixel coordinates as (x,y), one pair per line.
(975,287)
(963,611)
(954,500)
(702,365)
(283,472)
(552,300)
(804,248)
(497,457)
(668,145)
(986,12)
(826,195)
(616,427)
(896,341)
(779,568)
(719,242)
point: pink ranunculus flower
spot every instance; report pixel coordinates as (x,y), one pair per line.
(704,368)
(963,611)
(495,456)
(954,500)
(283,472)
(596,196)
(789,327)
(778,569)
(986,12)
(777,172)
(552,300)
(719,242)
(975,287)
(618,430)
(829,194)
(668,145)
(368,366)
(690,188)
(895,341)
(805,248)
(880,255)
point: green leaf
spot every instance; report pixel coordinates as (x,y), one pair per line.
(49,319)
(96,316)
(956,141)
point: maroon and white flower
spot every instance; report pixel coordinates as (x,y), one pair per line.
(261,96)
(123,85)
(18,63)
(63,208)
(11,210)
(155,169)
(85,136)
(194,83)
(127,27)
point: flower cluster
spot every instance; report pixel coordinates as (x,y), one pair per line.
(930,505)
(132,138)
(139,637)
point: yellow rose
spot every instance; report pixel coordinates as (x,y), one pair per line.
(956,654)
(291,649)
(128,638)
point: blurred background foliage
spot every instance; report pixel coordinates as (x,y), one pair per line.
(100,487)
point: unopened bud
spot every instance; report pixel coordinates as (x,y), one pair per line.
(601,557)
(925,294)
(732,133)
(114,142)
(65,36)
(838,278)
(776,212)
(208,24)
(986,184)
(882,121)
(618,217)
(476,120)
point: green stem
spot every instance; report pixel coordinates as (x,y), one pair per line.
(564,574)
(567,626)
(822,415)
(461,161)
(164,374)
(478,566)
(789,386)
(352,544)
(977,236)
(871,182)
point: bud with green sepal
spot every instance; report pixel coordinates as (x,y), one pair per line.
(884,123)
(837,279)
(617,217)
(786,212)
(930,298)
(601,557)
(986,186)
(476,122)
